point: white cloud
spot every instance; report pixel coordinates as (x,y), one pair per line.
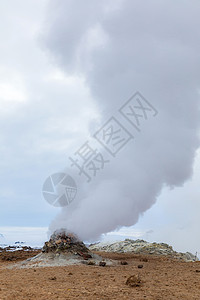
(11,93)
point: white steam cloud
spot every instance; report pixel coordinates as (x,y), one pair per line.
(120,47)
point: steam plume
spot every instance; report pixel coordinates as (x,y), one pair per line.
(120,47)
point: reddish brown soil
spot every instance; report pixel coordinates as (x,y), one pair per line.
(161,279)
(17,255)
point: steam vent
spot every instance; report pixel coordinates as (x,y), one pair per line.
(62,249)
(62,242)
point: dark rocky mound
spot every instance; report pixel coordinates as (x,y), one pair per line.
(64,242)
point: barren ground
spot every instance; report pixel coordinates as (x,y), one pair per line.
(160,279)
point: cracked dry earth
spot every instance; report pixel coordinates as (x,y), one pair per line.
(160,279)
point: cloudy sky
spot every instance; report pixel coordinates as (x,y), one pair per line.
(66,67)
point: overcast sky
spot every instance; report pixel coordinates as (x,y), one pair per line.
(65,68)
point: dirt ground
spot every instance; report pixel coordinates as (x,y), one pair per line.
(160,278)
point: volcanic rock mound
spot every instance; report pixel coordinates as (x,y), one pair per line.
(143,247)
(64,249)
(62,242)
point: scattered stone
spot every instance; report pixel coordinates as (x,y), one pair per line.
(123,263)
(133,281)
(198,271)
(102,263)
(53,278)
(140,266)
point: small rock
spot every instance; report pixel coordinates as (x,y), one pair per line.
(140,266)
(133,281)
(123,263)
(102,263)
(58,241)
(70,273)
(53,278)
